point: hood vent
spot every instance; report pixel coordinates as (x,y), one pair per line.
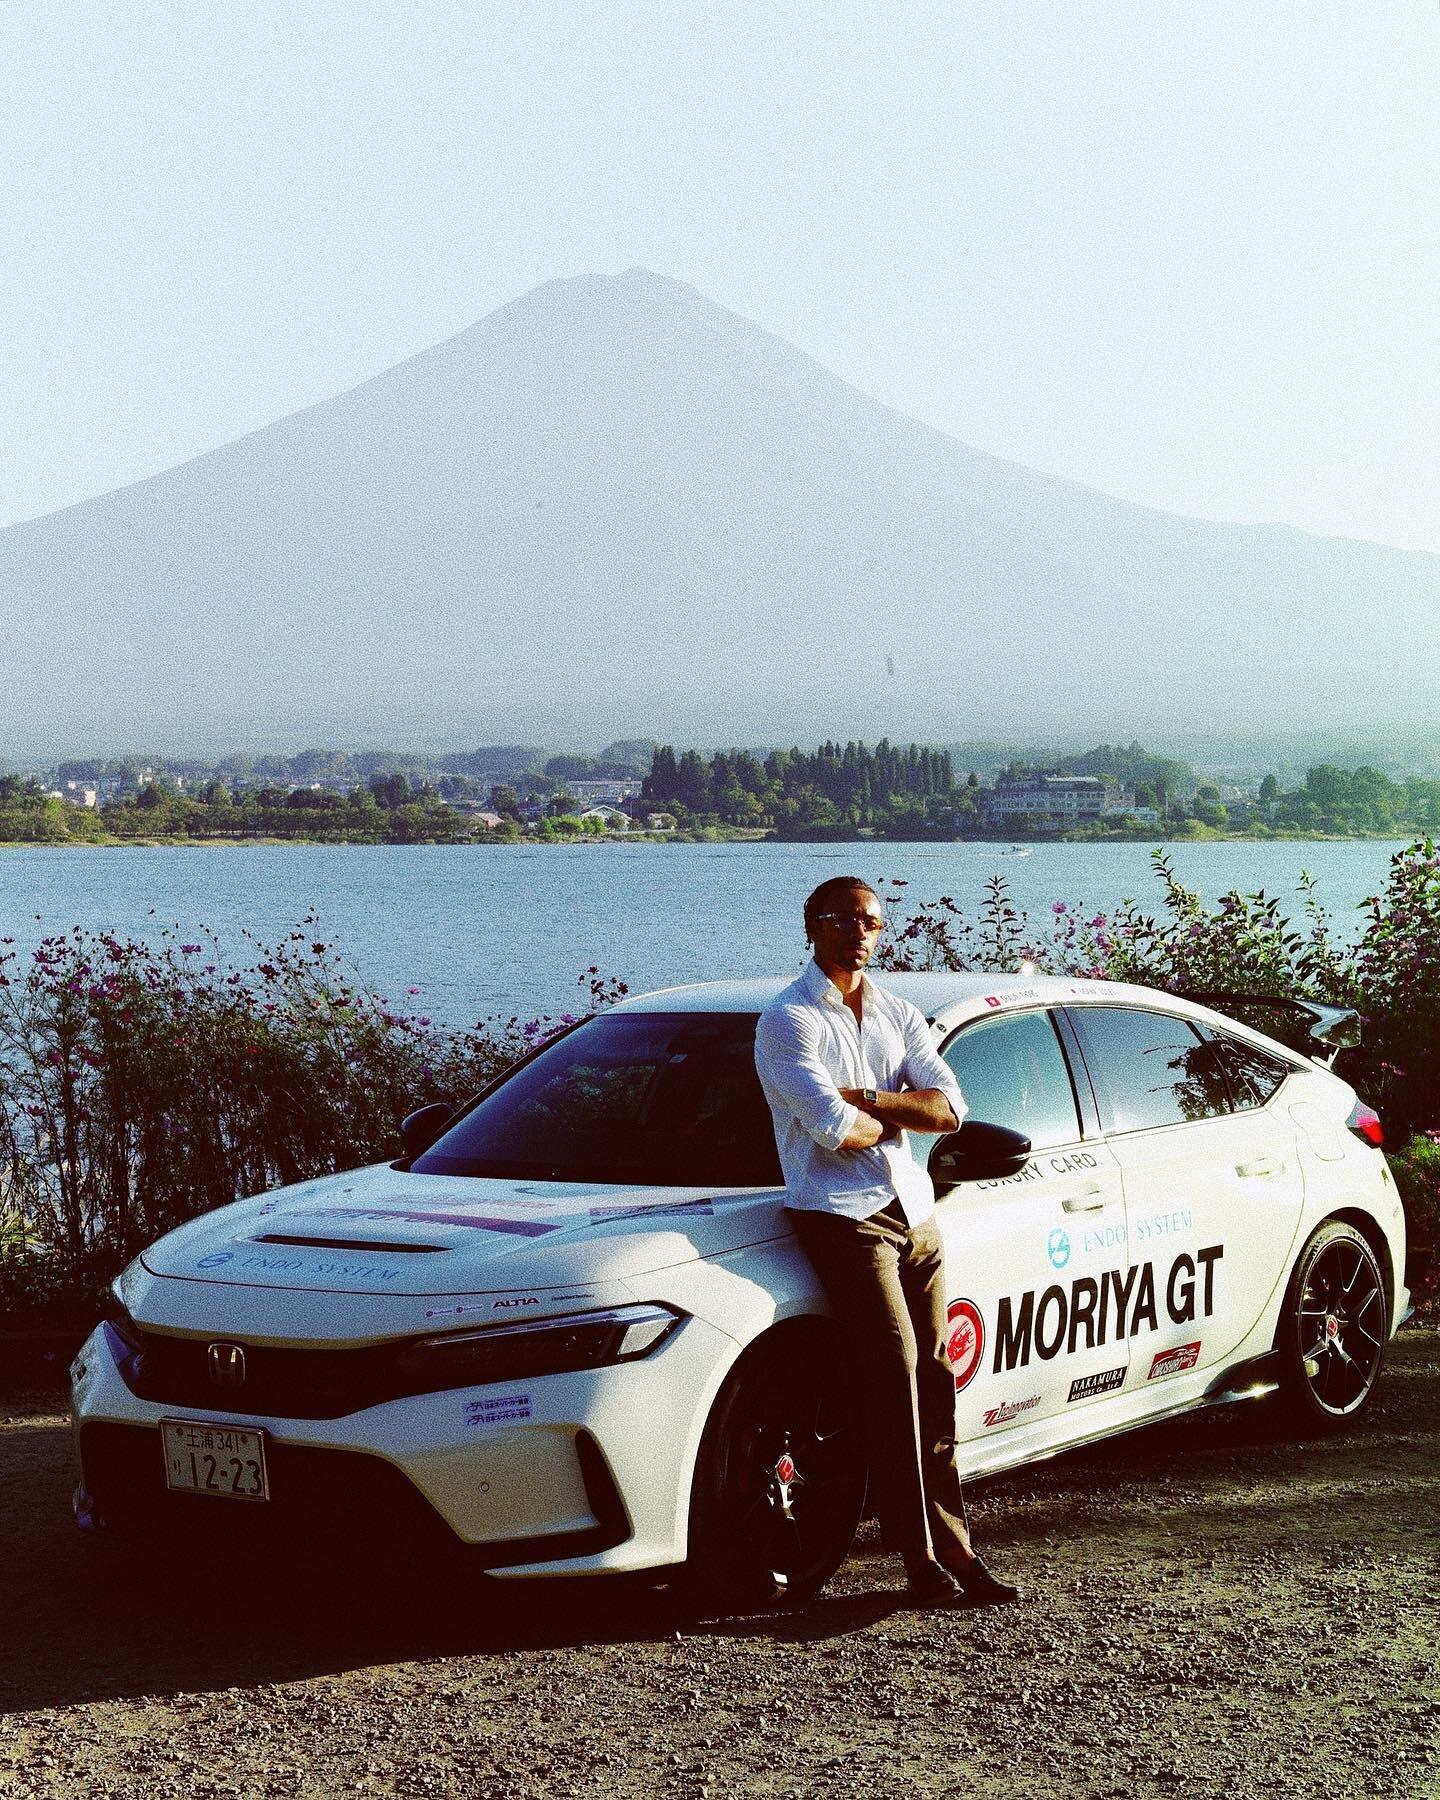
(365,1244)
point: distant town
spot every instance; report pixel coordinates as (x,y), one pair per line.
(637,788)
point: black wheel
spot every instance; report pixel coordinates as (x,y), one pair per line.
(780,1478)
(1333,1329)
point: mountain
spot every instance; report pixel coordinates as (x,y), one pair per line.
(613,507)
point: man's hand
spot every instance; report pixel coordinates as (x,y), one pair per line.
(917,1109)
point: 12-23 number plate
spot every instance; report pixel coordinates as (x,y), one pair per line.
(202,1457)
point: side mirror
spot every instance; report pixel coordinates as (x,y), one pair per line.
(977,1152)
(419,1129)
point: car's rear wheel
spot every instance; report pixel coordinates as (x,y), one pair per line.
(1333,1329)
(780,1478)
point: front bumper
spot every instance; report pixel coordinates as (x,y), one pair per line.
(565,1474)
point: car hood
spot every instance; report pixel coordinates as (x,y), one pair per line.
(381,1231)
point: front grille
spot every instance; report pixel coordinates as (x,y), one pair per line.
(279,1383)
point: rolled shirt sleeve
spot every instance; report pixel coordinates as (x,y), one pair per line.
(924,1067)
(789,1061)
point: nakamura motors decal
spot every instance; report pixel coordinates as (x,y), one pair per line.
(1119,1305)
(966,1340)
(1174,1362)
(1008,1410)
(1103,1382)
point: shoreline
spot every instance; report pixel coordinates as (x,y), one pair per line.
(706,835)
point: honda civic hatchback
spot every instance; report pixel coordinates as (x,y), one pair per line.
(571,1331)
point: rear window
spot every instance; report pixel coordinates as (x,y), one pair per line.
(653,1099)
(1254,1074)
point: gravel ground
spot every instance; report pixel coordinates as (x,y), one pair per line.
(1207,1611)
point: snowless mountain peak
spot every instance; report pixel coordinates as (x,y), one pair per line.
(613,508)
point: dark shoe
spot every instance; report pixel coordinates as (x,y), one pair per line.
(930,1583)
(979,1586)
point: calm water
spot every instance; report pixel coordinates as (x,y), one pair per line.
(504,930)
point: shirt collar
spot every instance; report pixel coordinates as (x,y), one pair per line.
(819,987)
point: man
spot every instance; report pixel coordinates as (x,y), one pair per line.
(848,1068)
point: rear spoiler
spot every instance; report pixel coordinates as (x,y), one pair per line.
(1328,1029)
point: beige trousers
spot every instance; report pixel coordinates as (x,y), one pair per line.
(886,1283)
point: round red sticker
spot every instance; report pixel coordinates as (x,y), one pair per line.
(966,1340)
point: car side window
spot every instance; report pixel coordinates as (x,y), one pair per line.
(1254,1074)
(1012,1071)
(1150,1069)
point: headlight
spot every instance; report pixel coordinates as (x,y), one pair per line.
(542,1347)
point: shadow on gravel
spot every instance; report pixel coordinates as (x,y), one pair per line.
(90,1619)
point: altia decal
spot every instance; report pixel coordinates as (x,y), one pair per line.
(1008,1410)
(965,1342)
(1174,1362)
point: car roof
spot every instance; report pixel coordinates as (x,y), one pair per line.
(943,994)
(948,998)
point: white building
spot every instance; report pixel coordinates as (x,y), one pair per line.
(1051,800)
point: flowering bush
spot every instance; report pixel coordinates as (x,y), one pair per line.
(139,1087)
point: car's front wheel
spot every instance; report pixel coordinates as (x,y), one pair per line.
(1333,1329)
(780,1478)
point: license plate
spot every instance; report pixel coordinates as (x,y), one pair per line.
(206,1458)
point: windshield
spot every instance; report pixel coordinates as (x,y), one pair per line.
(653,1099)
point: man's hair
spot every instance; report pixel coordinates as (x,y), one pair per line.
(826,894)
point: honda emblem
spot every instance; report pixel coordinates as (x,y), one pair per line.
(226,1363)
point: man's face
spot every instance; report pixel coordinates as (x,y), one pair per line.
(847,929)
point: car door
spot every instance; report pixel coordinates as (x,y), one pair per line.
(1213,1196)
(1025,1254)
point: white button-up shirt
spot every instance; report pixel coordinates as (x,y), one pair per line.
(807,1047)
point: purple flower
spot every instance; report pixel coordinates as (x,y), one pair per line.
(1058,906)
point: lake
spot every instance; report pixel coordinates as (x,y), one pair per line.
(500,930)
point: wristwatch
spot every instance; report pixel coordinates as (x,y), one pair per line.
(869,1096)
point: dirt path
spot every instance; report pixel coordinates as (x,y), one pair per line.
(1207,1612)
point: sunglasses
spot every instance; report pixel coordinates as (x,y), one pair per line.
(866,921)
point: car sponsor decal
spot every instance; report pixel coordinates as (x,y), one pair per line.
(260,1264)
(497,1409)
(965,1340)
(1119,1305)
(1147,1228)
(1104,1381)
(663,1209)
(1039,1168)
(1057,1247)
(1174,1362)
(1008,1410)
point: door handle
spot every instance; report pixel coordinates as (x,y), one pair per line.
(1089,1198)
(1262,1165)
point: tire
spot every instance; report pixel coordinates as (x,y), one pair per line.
(1333,1330)
(780,1478)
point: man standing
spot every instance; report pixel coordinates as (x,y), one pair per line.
(847,1069)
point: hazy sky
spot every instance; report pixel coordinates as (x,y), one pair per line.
(1186,252)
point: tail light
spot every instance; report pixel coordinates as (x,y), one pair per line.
(1364,1121)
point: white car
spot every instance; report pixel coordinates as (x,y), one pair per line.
(571,1329)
